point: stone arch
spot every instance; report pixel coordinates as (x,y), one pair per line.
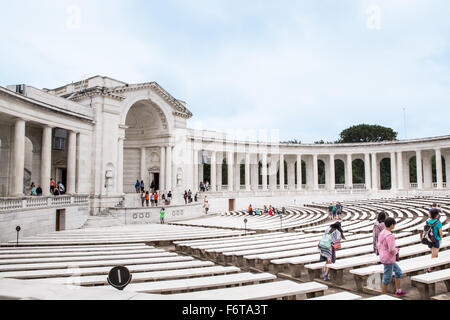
(358,168)
(434,170)
(322,171)
(385,174)
(303,168)
(339,171)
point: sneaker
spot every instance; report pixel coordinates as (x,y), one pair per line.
(326,278)
(400,293)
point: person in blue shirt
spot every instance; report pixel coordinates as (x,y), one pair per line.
(138,186)
(437,232)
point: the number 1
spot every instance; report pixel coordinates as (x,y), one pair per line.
(118,274)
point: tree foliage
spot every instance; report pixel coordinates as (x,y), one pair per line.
(367,133)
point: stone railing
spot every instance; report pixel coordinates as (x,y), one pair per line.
(9,204)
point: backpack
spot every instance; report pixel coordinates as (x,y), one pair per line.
(325,242)
(427,236)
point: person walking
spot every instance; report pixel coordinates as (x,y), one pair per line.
(378,226)
(250,210)
(330,242)
(339,209)
(156,198)
(169,196)
(143,198)
(142,186)
(61,188)
(330,211)
(147,198)
(162,214)
(153,199)
(52,186)
(436,226)
(137,186)
(185,197)
(56,191)
(189,196)
(388,257)
(206,205)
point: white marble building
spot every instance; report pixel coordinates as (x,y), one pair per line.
(100,135)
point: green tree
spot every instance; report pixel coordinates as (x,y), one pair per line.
(367,133)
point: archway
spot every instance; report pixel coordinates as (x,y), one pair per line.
(303,172)
(339,171)
(322,172)
(145,123)
(385,174)
(260,173)
(413,170)
(285,173)
(433,166)
(358,171)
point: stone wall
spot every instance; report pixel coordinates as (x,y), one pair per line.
(38,221)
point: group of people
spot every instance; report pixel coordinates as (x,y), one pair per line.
(56,189)
(204,186)
(152,197)
(267,210)
(187,196)
(383,245)
(335,211)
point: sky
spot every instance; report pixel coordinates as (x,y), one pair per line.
(257,70)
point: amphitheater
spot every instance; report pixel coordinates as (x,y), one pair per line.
(98,136)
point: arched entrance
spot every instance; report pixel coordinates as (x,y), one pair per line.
(145,128)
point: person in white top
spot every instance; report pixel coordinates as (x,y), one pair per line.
(206,205)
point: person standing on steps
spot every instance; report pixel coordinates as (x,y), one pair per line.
(206,205)
(162,214)
(330,242)
(437,233)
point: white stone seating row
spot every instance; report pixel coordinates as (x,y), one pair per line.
(141,255)
(82,280)
(426,283)
(186,246)
(285,289)
(267,245)
(57,254)
(408,266)
(419,227)
(97,263)
(13,289)
(91,271)
(149,239)
(199,283)
(353,245)
(44,249)
(338,296)
(296,264)
(337,269)
(323,227)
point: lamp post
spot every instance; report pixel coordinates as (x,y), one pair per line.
(245,226)
(18,230)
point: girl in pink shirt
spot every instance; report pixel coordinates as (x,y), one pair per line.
(388,257)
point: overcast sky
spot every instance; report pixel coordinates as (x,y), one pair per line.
(301,70)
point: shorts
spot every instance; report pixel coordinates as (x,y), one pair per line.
(436,244)
(333,257)
(388,270)
(334,214)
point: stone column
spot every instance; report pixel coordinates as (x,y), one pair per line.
(264,171)
(212,183)
(162,170)
(332,173)
(219,173)
(419,169)
(142,171)
(291,174)
(46,160)
(400,170)
(393,172)
(282,184)
(315,172)
(71,161)
(119,177)
(18,158)
(367,179)
(247,171)
(349,172)
(299,172)
(230,163)
(439,178)
(374,172)
(427,172)
(168,179)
